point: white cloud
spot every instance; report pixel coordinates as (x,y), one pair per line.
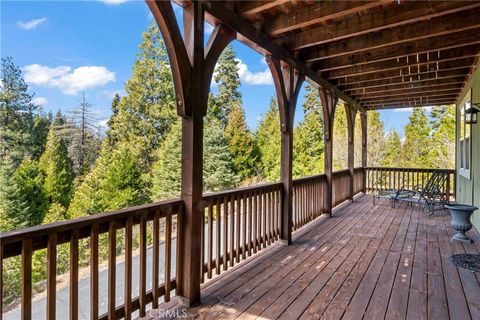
(40,101)
(113,2)
(257,78)
(69,81)
(32,24)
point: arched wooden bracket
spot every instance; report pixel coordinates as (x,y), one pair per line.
(329,103)
(351,114)
(191,63)
(288,83)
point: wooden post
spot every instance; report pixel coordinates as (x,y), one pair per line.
(287,85)
(192,68)
(351,113)
(363,123)
(329,102)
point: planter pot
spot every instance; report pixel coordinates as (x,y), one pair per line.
(461,214)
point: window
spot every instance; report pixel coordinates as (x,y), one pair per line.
(465,137)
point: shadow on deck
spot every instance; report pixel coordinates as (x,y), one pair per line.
(367,261)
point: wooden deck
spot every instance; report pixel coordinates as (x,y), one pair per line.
(366,261)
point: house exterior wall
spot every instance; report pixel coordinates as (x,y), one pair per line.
(468,189)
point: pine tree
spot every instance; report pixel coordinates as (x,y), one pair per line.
(308,147)
(114,182)
(375,142)
(417,141)
(269,142)
(442,151)
(228,80)
(23,200)
(243,149)
(58,170)
(340,138)
(84,146)
(41,126)
(110,122)
(218,172)
(358,141)
(16,114)
(166,171)
(392,150)
(145,114)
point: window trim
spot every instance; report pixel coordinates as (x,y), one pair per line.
(465,172)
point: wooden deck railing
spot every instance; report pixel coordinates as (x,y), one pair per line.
(237,224)
(155,220)
(308,201)
(378,179)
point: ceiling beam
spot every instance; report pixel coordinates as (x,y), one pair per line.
(413,101)
(218,13)
(409,104)
(407,85)
(356,60)
(406,97)
(379,79)
(316,14)
(409,19)
(411,92)
(253,7)
(403,67)
(385,41)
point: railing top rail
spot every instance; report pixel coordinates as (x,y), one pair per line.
(411,169)
(340,172)
(11,241)
(309,178)
(232,192)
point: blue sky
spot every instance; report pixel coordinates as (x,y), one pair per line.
(67,47)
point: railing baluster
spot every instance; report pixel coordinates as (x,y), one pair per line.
(244,224)
(225,234)
(210,239)
(156,259)
(238,234)
(143,267)
(51,275)
(168,254)
(264,220)
(74,276)
(128,268)
(202,247)
(94,272)
(232,231)
(218,217)
(112,247)
(255,210)
(26,312)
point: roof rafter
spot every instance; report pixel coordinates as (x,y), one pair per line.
(218,12)
(316,14)
(408,20)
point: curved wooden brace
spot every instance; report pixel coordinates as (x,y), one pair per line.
(177,53)
(351,114)
(288,83)
(329,103)
(218,41)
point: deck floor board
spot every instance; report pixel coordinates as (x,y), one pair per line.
(366,262)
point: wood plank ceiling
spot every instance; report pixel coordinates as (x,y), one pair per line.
(382,54)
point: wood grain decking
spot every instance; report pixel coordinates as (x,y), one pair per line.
(367,261)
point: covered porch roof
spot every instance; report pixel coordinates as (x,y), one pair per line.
(372,54)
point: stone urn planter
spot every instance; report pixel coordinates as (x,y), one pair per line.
(461,214)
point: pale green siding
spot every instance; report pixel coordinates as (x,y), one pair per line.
(468,190)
